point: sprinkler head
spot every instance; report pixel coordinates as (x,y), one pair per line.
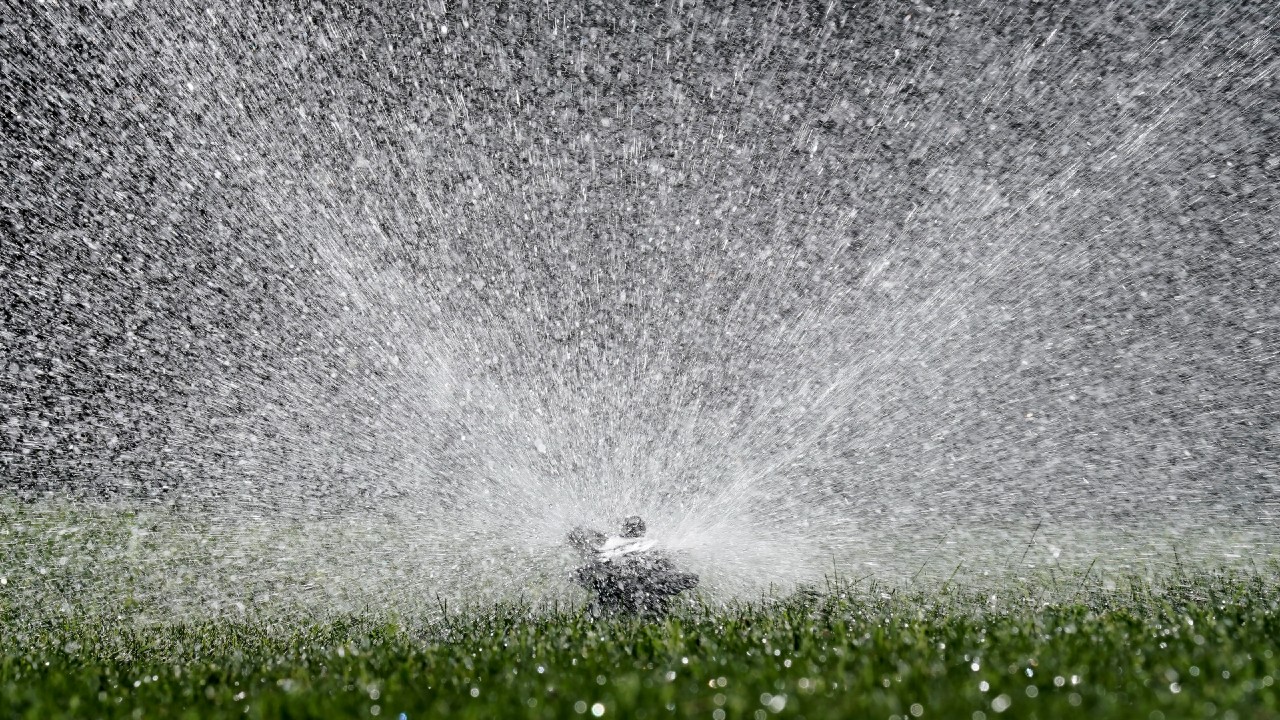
(633,527)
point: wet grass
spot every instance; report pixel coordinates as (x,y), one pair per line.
(1206,645)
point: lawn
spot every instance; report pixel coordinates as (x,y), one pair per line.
(1198,644)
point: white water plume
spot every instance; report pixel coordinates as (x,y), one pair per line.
(351,308)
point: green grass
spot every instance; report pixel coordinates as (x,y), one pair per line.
(1195,647)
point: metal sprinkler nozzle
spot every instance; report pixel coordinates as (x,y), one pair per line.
(626,574)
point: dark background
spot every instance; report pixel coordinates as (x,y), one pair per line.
(1032,244)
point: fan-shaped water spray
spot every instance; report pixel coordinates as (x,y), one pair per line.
(373,305)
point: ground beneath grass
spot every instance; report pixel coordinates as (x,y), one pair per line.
(1203,646)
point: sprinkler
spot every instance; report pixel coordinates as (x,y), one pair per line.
(625,574)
